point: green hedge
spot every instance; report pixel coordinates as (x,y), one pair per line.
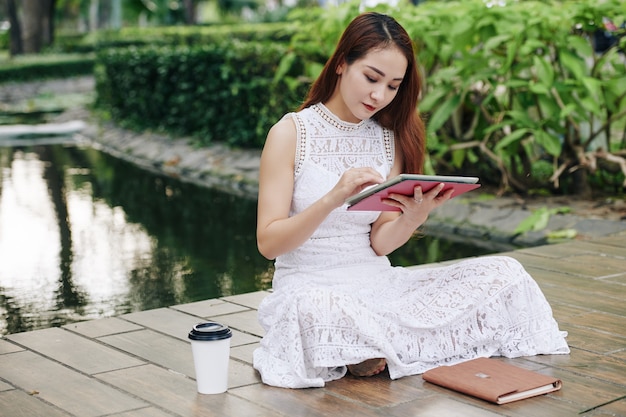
(193,35)
(224,92)
(35,67)
(514,94)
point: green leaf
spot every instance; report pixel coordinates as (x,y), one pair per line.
(511,138)
(432,98)
(538,88)
(284,66)
(581,45)
(458,156)
(550,143)
(544,71)
(443,113)
(574,64)
(537,220)
(593,86)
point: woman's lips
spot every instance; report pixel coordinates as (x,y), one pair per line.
(369,108)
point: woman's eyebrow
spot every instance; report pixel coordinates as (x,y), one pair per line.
(382,73)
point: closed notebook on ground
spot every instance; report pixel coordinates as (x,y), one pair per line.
(371,198)
(492,380)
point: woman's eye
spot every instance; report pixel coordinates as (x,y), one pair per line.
(370,79)
(393,87)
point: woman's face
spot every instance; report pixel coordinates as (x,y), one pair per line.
(368,84)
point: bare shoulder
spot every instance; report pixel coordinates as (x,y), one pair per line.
(283,130)
(281,139)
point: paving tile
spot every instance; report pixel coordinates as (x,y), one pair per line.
(64,388)
(251,300)
(18,403)
(377,391)
(178,394)
(244,352)
(210,308)
(102,327)
(8,347)
(164,320)
(75,351)
(143,412)
(150,346)
(5,387)
(246,321)
(440,406)
(303,402)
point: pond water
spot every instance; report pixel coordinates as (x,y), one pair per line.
(84,235)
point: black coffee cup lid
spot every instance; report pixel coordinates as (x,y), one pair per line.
(209,331)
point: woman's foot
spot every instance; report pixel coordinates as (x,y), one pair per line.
(369,367)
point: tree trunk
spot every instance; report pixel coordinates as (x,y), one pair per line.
(190,12)
(37,24)
(15,34)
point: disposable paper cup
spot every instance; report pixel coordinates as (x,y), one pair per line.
(210,345)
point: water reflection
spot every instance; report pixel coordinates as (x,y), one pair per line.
(84,235)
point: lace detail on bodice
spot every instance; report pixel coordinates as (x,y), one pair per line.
(336,145)
(326,148)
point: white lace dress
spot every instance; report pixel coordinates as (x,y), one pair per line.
(335,302)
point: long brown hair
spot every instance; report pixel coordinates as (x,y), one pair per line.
(370,31)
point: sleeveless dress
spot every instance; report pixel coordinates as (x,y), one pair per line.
(335,302)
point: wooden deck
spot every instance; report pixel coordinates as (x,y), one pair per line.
(140,364)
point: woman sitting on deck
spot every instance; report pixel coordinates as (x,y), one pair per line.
(338,304)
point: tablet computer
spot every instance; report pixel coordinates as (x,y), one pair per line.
(371,198)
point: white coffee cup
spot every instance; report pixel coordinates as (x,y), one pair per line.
(210,345)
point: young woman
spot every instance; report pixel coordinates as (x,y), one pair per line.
(337,303)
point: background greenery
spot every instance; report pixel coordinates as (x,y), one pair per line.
(519,94)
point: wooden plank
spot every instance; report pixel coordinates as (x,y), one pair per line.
(592,340)
(245,321)
(164,320)
(174,354)
(209,308)
(250,300)
(102,327)
(144,412)
(600,322)
(589,300)
(440,406)
(64,388)
(616,408)
(8,347)
(377,391)
(579,266)
(178,394)
(168,352)
(575,248)
(73,350)
(589,365)
(302,402)
(244,353)
(17,403)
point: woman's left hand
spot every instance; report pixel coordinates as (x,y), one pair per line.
(420,204)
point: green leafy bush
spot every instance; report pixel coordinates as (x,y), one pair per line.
(35,67)
(223,92)
(510,90)
(515,94)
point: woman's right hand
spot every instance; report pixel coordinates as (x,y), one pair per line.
(352,182)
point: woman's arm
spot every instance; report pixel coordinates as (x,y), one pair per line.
(393,229)
(278,233)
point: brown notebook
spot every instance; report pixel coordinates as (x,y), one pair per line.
(492,380)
